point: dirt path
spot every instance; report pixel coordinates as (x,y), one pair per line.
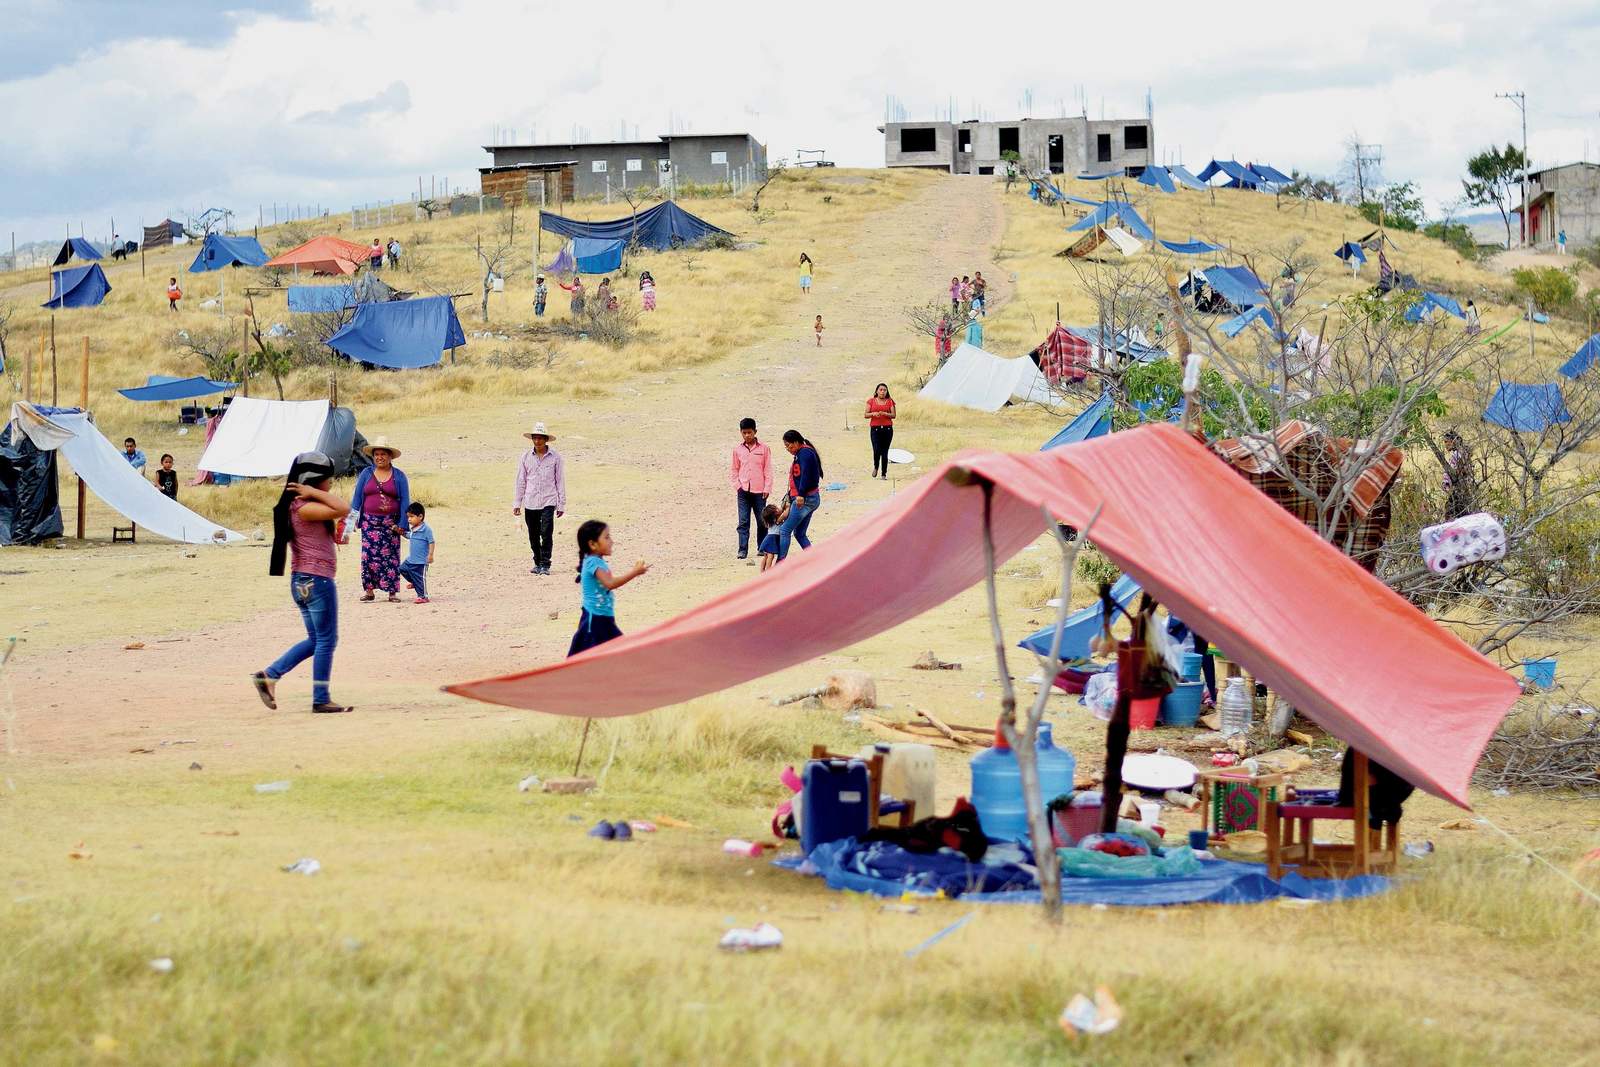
(651,458)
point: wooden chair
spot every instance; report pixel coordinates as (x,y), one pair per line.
(1291,835)
(129,533)
(908,814)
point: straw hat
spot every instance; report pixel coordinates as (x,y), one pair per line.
(539,431)
(383,443)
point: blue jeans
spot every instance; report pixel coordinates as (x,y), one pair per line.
(751,504)
(318,602)
(417,575)
(798,523)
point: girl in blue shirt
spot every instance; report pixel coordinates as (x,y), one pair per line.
(598,622)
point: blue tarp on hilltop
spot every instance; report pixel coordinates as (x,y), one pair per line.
(1081,626)
(1158,178)
(219,251)
(1191,248)
(1350,250)
(75,246)
(1239,176)
(166,387)
(400,334)
(1270,173)
(1587,355)
(1237,285)
(1527,408)
(321,297)
(77,287)
(1182,174)
(1108,213)
(1093,421)
(1424,307)
(662,227)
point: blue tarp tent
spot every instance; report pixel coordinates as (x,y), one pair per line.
(1108,213)
(1350,250)
(587,255)
(1158,178)
(1181,173)
(664,226)
(219,251)
(1424,308)
(1269,173)
(321,297)
(1236,325)
(1093,421)
(1239,176)
(1528,408)
(1587,355)
(77,287)
(75,246)
(1237,285)
(1191,248)
(401,334)
(1081,626)
(1100,177)
(166,387)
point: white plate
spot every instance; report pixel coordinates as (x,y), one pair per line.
(900,455)
(1157,773)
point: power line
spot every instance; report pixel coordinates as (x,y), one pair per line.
(1520,99)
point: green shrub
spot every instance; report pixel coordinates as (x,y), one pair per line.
(1093,567)
(1455,234)
(1550,288)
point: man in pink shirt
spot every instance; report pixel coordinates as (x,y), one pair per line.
(752,480)
(541,496)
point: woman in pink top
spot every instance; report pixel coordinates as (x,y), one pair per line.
(382,496)
(302,527)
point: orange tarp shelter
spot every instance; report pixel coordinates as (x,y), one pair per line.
(324,255)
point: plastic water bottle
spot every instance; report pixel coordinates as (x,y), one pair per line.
(997,792)
(1237,708)
(1057,767)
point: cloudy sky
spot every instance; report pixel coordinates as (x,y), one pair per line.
(134,111)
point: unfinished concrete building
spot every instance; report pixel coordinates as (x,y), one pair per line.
(1564,198)
(559,172)
(1060,146)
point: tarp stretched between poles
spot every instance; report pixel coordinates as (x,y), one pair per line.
(107,474)
(75,246)
(162,234)
(662,227)
(259,438)
(324,255)
(165,387)
(1330,638)
(219,251)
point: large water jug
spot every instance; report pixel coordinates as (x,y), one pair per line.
(1237,707)
(997,793)
(1057,767)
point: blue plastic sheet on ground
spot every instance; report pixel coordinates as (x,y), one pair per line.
(1190,248)
(889,871)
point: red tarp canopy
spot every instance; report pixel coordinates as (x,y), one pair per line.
(1327,636)
(324,255)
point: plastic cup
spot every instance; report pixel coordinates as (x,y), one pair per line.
(1198,840)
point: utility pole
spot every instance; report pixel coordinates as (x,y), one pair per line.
(1366,155)
(1520,99)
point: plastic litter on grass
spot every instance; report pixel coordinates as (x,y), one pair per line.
(306,866)
(752,939)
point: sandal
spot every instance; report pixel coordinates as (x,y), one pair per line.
(331,709)
(264,689)
(394,598)
(367,597)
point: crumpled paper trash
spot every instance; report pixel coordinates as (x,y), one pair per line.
(306,866)
(1084,1016)
(752,939)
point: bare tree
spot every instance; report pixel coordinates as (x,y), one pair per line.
(498,259)
(772,172)
(215,346)
(7,310)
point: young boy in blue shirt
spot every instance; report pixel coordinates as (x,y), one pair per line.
(420,554)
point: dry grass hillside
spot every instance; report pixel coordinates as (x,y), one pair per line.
(459,921)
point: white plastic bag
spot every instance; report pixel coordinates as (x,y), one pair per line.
(1100,694)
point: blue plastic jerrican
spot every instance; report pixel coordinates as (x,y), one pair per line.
(835,801)
(997,785)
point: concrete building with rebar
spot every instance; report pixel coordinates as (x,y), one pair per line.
(1059,146)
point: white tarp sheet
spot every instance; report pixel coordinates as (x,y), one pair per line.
(260,438)
(1126,242)
(973,378)
(108,475)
